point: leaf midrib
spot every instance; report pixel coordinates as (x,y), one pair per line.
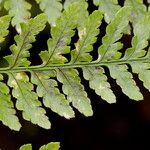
(77,65)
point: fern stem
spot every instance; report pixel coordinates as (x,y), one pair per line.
(68,65)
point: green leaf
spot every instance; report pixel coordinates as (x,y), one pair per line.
(51,146)
(109,48)
(98,82)
(52,98)
(7,111)
(125,80)
(26,147)
(52,8)
(74,90)
(87,37)
(140,40)
(27,100)
(82,13)
(108,7)
(138,9)
(20,49)
(142,69)
(4,24)
(19,10)
(67,3)
(61,37)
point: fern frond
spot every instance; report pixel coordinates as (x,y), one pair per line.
(120,72)
(4,24)
(19,10)
(98,82)
(23,41)
(49,146)
(27,99)
(61,37)
(109,48)
(87,37)
(74,90)
(48,90)
(7,111)
(52,8)
(56,81)
(108,7)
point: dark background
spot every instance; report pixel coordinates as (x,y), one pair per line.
(124,125)
(121,126)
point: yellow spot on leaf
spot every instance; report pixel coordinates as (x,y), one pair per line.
(77,45)
(14,84)
(82,33)
(20,76)
(101,87)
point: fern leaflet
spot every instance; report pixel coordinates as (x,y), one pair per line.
(52,9)
(49,146)
(52,98)
(19,10)
(27,99)
(7,111)
(108,7)
(4,24)
(23,40)
(109,49)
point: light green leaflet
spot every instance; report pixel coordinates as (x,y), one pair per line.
(125,81)
(67,3)
(52,98)
(50,146)
(7,112)
(61,37)
(23,41)
(140,39)
(19,10)
(26,147)
(142,69)
(74,90)
(98,82)
(108,7)
(27,100)
(4,24)
(138,9)
(87,37)
(52,9)
(109,48)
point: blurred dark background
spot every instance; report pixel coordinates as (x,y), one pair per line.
(124,125)
(121,126)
